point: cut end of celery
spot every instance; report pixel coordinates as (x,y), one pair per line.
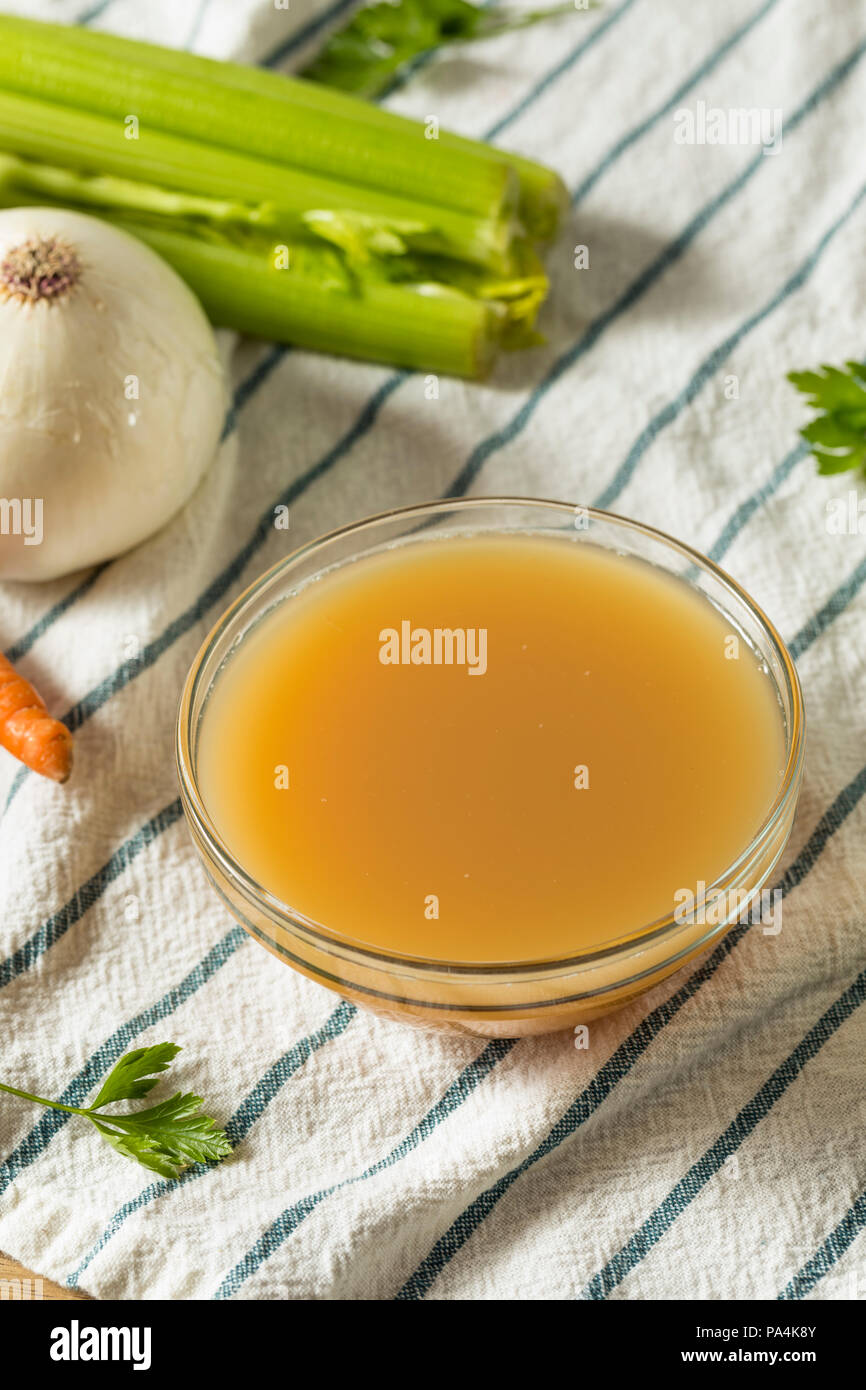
(544,203)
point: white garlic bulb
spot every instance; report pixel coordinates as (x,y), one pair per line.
(112,395)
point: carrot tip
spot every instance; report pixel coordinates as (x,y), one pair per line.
(28,731)
(56,763)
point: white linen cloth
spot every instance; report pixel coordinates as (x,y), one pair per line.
(709,1142)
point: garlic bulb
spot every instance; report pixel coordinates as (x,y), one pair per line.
(112,396)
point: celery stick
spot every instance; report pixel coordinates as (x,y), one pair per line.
(63,136)
(35,182)
(37,60)
(427,328)
(543,196)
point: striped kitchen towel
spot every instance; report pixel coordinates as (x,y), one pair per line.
(709,1142)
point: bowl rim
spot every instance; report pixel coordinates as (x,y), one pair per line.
(334,942)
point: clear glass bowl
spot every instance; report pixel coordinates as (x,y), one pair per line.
(508,1000)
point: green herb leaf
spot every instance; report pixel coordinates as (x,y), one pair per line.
(380,39)
(165,1138)
(135,1074)
(838,435)
(142,1150)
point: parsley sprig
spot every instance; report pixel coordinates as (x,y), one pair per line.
(838,435)
(379,39)
(165,1138)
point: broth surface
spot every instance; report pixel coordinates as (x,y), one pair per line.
(611,752)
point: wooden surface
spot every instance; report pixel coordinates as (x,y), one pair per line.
(10,1270)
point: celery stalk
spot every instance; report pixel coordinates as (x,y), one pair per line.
(286,197)
(428,328)
(543,197)
(397,158)
(31,182)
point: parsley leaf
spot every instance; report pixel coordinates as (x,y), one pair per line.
(135,1074)
(366,54)
(165,1138)
(838,434)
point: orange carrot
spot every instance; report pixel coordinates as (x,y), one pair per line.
(28,731)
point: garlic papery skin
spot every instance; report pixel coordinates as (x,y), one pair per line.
(112,394)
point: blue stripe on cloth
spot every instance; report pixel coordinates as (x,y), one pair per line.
(279,1231)
(58,924)
(643,127)
(17,782)
(686,1190)
(26,641)
(711,364)
(195,28)
(832,820)
(623,1060)
(829,1253)
(743,514)
(94,12)
(669,255)
(36,1142)
(565,65)
(251,1109)
(252,384)
(836,604)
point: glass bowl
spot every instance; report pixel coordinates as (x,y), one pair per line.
(507,1000)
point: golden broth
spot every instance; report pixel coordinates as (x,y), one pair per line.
(605,742)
